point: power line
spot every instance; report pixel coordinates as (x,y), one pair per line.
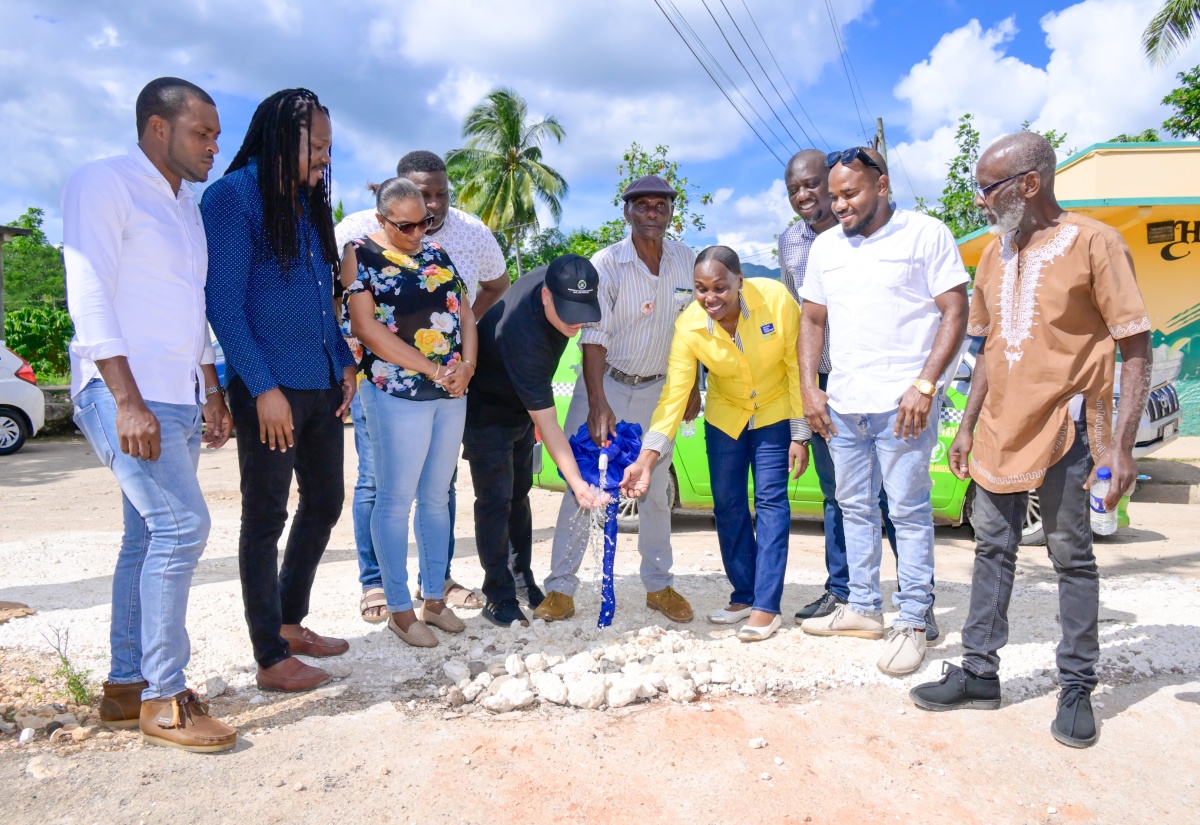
(841,47)
(783,74)
(715,64)
(712,77)
(754,82)
(763,69)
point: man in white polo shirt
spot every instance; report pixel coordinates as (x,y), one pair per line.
(891,286)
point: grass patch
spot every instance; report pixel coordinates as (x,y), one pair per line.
(76,680)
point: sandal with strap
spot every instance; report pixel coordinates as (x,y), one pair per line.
(373,598)
(459,596)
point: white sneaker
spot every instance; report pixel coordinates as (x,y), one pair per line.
(905,651)
(845,622)
(727,616)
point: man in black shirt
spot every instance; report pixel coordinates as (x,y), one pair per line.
(521,339)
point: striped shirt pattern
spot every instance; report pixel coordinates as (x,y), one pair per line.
(639,309)
(794,244)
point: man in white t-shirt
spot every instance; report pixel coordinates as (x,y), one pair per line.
(891,286)
(475,254)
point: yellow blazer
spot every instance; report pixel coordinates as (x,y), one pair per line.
(762,382)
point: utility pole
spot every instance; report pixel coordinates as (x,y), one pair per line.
(7,233)
(879,144)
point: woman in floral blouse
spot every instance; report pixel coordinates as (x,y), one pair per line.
(407,307)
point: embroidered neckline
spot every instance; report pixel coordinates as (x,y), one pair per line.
(1018,302)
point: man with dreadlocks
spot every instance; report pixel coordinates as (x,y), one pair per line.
(290,375)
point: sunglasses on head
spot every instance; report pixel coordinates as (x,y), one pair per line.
(409,228)
(849,156)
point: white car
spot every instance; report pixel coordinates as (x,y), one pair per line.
(22,405)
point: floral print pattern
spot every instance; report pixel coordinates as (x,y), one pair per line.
(419,299)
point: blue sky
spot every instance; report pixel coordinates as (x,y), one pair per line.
(399,75)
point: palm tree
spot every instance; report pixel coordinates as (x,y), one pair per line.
(502,167)
(1176,23)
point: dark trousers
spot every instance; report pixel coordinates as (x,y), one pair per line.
(501,459)
(838,580)
(274,596)
(754,550)
(998,519)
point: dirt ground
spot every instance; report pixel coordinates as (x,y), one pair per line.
(383,743)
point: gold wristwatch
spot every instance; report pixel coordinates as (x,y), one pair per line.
(926,388)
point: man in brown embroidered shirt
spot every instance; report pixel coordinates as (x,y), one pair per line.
(1055,295)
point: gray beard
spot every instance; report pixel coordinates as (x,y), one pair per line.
(1008,218)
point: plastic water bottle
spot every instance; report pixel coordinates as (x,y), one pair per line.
(1104,523)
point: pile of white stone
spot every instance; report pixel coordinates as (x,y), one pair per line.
(645,664)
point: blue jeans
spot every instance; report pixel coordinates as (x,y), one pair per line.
(364,501)
(868,458)
(838,580)
(754,551)
(166,528)
(415,446)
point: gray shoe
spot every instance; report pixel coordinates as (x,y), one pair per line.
(904,653)
(932,631)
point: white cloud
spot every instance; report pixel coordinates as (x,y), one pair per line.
(397,75)
(749,223)
(1095,85)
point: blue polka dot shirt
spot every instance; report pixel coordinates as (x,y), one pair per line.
(277,327)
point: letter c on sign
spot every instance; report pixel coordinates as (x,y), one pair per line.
(1168,255)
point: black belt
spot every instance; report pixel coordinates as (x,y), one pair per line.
(630,380)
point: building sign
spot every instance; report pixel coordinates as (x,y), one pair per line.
(1177,235)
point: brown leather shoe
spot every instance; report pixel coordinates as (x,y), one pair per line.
(182,721)
(291,675)
(307,643)
(670,603)
(121,705)
(555,607)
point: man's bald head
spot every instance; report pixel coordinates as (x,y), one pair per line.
(1019,153)
(803,162)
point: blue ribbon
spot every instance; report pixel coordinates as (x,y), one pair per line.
(622,450)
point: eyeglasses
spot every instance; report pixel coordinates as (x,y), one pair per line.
(849,156)
(409,228)
(983,191)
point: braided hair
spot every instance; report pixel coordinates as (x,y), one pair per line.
(273,140)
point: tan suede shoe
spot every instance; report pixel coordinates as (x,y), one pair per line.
(555,607)
(182,721)
(121,705)
(670,603)
(417,635)
(446,620)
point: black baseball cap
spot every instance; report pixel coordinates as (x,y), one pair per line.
(574,284)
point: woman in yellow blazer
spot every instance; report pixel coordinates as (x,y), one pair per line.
(745,333)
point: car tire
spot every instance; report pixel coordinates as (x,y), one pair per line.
(13,431)
(627,508)
(1033,532)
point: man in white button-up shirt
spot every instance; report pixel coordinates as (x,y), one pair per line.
(143,384)
(891,286)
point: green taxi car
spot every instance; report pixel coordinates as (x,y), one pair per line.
(690,489)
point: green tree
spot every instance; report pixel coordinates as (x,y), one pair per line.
(502,170)
(1145,136)
(547,245)
(1171,29)
(956,208)
(1185,123)
(33,267)
(636,163)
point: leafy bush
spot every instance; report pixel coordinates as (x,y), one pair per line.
(41,335)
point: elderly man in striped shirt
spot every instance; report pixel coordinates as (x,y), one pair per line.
(645,282)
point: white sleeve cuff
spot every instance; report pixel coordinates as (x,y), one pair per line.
(657,442)
(591,335)
(209,356)
(109,348)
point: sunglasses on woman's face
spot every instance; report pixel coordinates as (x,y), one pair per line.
(409,228)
